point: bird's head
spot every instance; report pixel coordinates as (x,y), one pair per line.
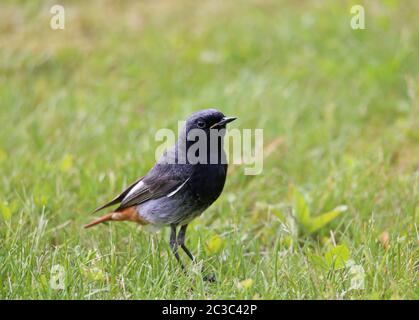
(208,119)
(204,131)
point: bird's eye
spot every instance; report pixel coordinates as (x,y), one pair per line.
(201,124)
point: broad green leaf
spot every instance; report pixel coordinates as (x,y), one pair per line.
(337,257)
(43,281)
(96,274)
(245,284)
(66,163)
(3,155)
(41,200)
(318,261)
(373,296)
(320,221)
(301,209)
(215,244)
(6,211)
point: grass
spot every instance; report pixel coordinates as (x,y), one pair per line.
(340,111)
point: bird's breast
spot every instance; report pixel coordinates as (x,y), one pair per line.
(207,182)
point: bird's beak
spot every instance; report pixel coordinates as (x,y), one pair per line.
(224,121)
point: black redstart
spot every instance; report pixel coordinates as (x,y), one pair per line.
(184,182)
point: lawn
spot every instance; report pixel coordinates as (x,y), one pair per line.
(339,107)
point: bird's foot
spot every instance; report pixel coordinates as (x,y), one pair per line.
(209,277)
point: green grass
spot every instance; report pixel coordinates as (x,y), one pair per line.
(340,111)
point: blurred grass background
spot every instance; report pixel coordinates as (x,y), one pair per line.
(339,107)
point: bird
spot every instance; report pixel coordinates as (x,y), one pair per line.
(181,185)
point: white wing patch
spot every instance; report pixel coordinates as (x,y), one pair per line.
(139,185)
(177,189)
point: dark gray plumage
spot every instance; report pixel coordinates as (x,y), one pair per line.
(176,190)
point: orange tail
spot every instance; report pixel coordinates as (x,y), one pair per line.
(123,215)
(106,217)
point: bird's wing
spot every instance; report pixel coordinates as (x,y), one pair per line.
(148,189)
(162,180)
(119,197)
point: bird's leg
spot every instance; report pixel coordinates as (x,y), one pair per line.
(181,241)
(173,244)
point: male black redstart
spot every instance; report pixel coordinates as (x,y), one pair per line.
(184,182)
